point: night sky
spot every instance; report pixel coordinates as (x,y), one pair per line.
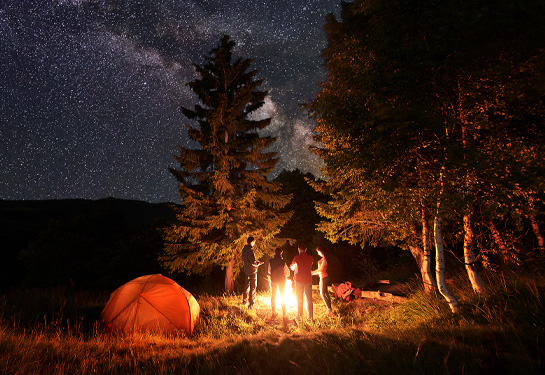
(90,90)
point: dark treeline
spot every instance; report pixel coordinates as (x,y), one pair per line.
(79,243)
(86,244)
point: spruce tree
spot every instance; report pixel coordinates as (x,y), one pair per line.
(226,196)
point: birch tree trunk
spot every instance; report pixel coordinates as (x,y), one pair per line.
(440,253)
(469,255)
(424,265)
(429,282)
(537,232)
(440,265)
(499,241)
(422,254)
(477,282)
(229,282)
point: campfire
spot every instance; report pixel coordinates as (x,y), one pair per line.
(289,297)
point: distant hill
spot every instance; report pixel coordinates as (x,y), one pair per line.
(101,225)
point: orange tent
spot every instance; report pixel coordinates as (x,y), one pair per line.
(151,303)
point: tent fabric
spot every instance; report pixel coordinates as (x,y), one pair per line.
(152,303)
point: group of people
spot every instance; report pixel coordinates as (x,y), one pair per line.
(278,272)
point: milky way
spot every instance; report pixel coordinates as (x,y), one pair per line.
(90,90)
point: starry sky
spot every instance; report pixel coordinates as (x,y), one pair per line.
(90,90)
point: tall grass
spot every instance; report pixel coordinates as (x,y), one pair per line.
(57,332)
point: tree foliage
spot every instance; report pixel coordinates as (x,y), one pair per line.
(223,182)
(301,226)
(428,100)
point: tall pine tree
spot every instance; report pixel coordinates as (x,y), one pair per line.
(223,183)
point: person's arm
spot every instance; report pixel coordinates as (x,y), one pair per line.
(318,270)
(258,263)
(251,256)
(293,266)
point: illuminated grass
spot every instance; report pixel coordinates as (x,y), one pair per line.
(501,332)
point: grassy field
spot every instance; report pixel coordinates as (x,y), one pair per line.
(56,331)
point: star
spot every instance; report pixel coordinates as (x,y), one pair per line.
(90,91)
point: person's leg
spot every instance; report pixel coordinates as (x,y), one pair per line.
(246,289)
(323,292)
(310,305)
(253,287)
(274,287)
(299,291)
(282,287)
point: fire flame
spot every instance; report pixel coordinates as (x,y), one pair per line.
(289,296)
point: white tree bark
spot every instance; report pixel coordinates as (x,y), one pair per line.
(502,246)
(425,265)
(477,282)
(440,266)
(537,232)
(440,253)
(469,255)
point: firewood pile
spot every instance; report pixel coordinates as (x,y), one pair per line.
(346,291)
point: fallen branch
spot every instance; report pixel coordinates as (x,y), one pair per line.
(346,292)
(389,297)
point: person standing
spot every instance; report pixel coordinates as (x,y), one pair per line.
(278,271)
(324,280)
(250,271)
(302,265)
